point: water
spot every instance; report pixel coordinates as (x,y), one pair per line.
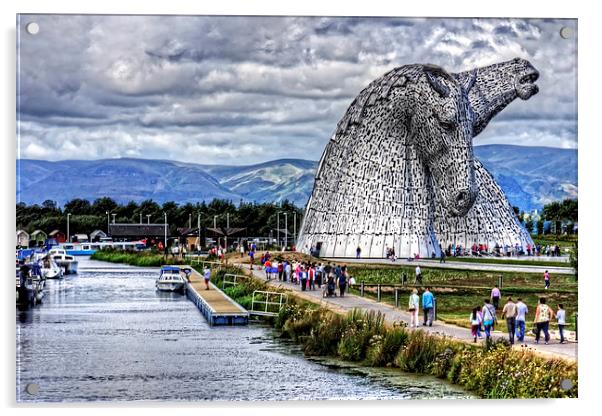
(107,335)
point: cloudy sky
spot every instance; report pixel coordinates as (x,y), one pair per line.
(241,90)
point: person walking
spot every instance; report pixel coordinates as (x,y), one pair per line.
(268,269)
(546,280)
(442,258)
(495,297)
(561,318)
(418,279)
(475,323)
(342,280)
(489,318)
(303,278)
(287,272)
(251,258)
(207,276)
(509,312)
(280,271)
(413,306)
(480,327)
(242,251)
(543,315)
(521,314)
(428,301)
(358,252)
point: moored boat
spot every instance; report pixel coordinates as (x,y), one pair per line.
(50,269)
(171,279)
(64,260)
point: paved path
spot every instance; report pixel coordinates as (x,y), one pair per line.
(392,314)
(519,268)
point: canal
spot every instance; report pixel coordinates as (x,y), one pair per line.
(107,335)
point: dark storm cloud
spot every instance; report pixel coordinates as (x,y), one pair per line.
(242,90)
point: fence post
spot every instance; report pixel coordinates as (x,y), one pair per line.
(434,309)
(576,329)
(396,297)
(362,289)
(378,293)
(500,281)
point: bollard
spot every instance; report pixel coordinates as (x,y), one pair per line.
(576,331)
(500,281)
(362,289)
(396,298)
(378,293)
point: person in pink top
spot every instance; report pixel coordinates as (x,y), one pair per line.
(546,279)
(495,296)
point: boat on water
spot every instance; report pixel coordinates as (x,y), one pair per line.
(50,268)
(171,279)
(64,260)
(87,248)
(29,284)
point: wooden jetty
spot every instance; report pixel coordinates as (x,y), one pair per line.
(217,307)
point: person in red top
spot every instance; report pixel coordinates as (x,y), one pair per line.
(268,269)
(311,280)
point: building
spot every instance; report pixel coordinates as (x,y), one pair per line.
(22,238)
(58,235)
(97,235)
(137,232)
(80,238)
(38,238)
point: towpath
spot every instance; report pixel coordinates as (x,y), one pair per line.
(395,315)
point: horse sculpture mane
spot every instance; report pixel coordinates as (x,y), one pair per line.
(399,171)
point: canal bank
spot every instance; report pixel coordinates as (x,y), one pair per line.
(106,335)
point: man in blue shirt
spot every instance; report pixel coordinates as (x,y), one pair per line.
(427,306)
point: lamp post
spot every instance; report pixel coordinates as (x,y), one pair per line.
(285,230)
(68,234)
(140,218)
(114,215)
(165,237)
(278,229)
(226,234)
(215,221)
(148,218)
(198,222)
(295,229)
(189,221)
(108,231)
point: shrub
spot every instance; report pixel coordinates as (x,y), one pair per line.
(359,329)
(383,349)
(325,335)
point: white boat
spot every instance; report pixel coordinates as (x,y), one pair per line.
(50,269)
(171,279)
(64,260)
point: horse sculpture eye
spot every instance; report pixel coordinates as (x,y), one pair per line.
(448,125)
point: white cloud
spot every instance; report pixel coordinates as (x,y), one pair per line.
(242,90)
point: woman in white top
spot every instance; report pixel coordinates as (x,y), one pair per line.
(561,317)
(413,305)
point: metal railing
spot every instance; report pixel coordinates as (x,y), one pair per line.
(267,301)
(230,279)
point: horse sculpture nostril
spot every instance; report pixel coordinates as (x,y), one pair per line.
(462,197)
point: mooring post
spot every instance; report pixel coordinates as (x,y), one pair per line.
(396,297)
(378,293)
(362,289)
(576,329)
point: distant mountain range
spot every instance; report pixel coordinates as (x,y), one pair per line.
(530,176)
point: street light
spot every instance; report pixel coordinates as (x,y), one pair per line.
(285,230)
(198,222)
(278,229)
(215,221)
(227,227)
(108,230)
(68,234)
(148,218)
(140,218)
(189,221)
(165,238)
(295,229)
(114,215)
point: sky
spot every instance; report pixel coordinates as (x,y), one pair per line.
(243,90)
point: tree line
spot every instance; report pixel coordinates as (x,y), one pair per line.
(557,212)
(86,216)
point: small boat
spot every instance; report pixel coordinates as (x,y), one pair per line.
(30,285)
(170,280)
(64,260)
(50,269)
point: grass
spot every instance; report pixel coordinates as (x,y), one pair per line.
(135,258)
(518,262)
(457,292)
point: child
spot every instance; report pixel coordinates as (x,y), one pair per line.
(561,317)
(475,323)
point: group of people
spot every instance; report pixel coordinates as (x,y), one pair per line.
(428,307)
(503,250)
(326,277)
(484,318)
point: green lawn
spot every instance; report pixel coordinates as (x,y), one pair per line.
(458,291)
(494,260)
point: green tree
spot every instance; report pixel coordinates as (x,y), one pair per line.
(573,258)
(78,207)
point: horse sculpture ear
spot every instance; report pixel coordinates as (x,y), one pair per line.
(432,75)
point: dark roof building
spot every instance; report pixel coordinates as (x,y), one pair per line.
(138,231)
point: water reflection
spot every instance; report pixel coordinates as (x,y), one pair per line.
(108,335)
